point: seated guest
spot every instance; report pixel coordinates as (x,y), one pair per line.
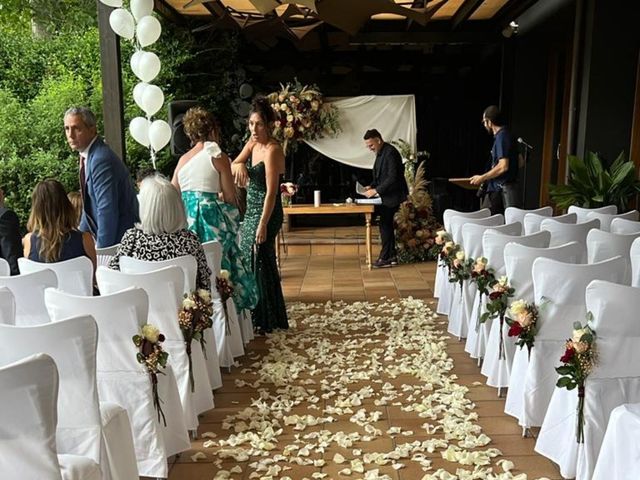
(76,201)
(162,232)
(10,244)
(53,227)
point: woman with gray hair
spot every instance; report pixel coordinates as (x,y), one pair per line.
(162,233)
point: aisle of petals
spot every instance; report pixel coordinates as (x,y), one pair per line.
(346,363)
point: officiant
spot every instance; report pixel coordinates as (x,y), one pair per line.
(389,183)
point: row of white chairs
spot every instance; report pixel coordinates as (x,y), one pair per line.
(557,279)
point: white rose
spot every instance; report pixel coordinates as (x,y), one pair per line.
(577,334)
(188,303)
(151,332)
(204,294)
(518,307)
(441,233)
(482,261)
(460,255)
(224,274)
(504,281)
(449,245)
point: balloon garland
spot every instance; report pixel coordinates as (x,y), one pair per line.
(140,27)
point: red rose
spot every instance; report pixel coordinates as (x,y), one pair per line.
(515,330)
(495,295)
(474,274)
(568,355)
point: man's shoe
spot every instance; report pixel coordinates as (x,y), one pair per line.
(381,263)
(393,261)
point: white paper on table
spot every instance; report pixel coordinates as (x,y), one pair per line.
(369,201)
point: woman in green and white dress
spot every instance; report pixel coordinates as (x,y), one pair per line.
(203,175)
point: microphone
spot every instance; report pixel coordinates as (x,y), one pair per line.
(525,144)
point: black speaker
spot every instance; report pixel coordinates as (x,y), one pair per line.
(180,143)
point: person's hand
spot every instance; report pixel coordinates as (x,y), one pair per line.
(371,192)
(261,233)
(476,180)
(240,174)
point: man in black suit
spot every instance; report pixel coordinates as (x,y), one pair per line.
(390,185)
(10,243)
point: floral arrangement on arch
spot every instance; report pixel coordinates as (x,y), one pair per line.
(301,114)
(154,358)
(194,318)
(579,359)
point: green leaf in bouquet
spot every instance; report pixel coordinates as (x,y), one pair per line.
(564,369)
(564,382)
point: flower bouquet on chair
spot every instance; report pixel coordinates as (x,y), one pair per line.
(287,191)
(460,269)
(154,358)
(497,306)
(194,318)
(483,276)
(225,290)
(523,324)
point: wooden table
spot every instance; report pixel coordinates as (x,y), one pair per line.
(335,209)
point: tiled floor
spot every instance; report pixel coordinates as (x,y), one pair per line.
(313,278)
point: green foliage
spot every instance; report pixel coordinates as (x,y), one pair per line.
(591,184)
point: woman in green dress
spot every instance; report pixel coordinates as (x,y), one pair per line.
(203,175)
(263,217)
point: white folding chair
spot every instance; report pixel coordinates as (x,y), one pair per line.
(86,428)
(615,380)
(514,214)
(105,254)
(602,245)
(125,382)
(29,397)
(562,233)
(560,288)
(619,455)
(165,288)
(441,272)
(5,269)
(583,213)
(495,368)
(477,334)
(622,225)
(28,292)
(74,276)
(519,267)
(634,253)
(458,313)
(189,267)
(607,218)
(7,307)
(532,221)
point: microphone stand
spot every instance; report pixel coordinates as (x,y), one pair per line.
(524,175)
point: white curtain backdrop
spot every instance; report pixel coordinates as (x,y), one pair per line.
(394,116)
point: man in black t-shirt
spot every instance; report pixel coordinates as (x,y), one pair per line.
(500,181)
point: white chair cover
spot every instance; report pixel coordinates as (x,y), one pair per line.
(104,255)
(562,233)
(441,271)
(28,292)
(497,369)
(7,307)
(560,287)
(533,221)
(164,288)
(634,253)
(619,456)
(189,268)
(602,245)
(615,380)
(28,417)
(123,381)
(519,266)
(583,213)
(477,334)
(607,218)
(622,225)
(5,269)
(72,344)
(514,214)
(74,276)
(462,298)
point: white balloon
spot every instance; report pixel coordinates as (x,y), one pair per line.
(139,128)
(137,92)
(145,65)
(112,3)
(148,30)
(122,23)
(159,134)
(246,90)
(151,99)
(141,8)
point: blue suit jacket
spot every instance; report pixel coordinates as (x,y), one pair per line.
(110,203)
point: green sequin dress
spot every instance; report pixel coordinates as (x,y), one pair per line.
(271,312)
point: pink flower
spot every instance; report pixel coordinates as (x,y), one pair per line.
(524,319)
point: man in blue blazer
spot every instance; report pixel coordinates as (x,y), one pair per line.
(110,205)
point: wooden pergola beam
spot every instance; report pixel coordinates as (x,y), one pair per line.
(464,12)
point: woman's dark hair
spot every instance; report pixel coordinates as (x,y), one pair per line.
(262,107)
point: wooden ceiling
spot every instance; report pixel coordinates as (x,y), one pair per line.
(295,19)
